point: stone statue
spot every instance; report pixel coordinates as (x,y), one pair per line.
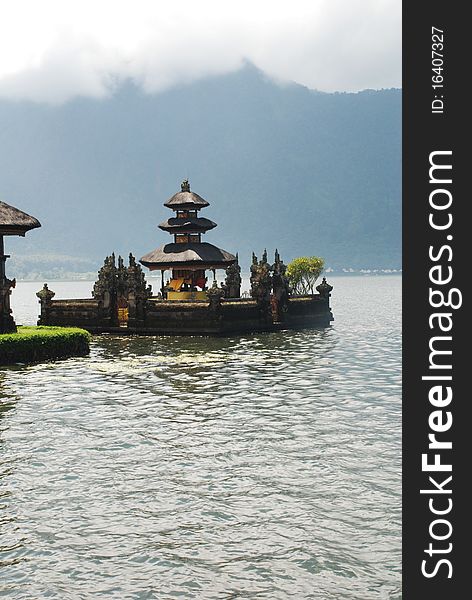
(261,281)
(281,288)
(215,294)
(232,285)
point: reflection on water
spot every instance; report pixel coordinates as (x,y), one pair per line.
(263,466)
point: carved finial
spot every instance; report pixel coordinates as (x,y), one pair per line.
(237,258)
(254,258)
(45,295)
(264,256)
(324,288)
(132,260)
(277,256)
(185,186)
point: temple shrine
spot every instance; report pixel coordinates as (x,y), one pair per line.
(12,222)
(122,302)
(187,257)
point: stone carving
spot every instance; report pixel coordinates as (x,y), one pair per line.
(136,280)
(45,295)
(261,281)
(7,323)
(215,295)
(267,278)
(281,288)
(122,286)
(121,280)
(137,291)
(232,285)
(324,288)
(104,289)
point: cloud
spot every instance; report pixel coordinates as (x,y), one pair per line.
(54,50)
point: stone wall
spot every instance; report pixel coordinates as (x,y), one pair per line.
(75,313)
(187,318)
(122,290)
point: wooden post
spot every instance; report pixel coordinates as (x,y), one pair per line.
(162,283)
(3,258)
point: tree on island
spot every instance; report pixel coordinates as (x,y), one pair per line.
(303,272)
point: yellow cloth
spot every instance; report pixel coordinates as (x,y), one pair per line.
(176,284)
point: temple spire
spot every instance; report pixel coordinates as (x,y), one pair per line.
(187,256)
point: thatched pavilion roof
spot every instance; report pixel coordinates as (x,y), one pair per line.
(192,224)
(14,221)
(188,256)
(186,199)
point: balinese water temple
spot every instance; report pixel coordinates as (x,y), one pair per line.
(122,301)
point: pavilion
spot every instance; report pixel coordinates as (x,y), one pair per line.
(12,222)
(187,256)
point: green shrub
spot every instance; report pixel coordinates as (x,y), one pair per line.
(34,344)
(303,272)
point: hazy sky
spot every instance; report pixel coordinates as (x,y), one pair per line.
(53,50)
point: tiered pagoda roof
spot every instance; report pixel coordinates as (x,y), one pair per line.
(187,225)
(186,199)
(201,255)
(187,251)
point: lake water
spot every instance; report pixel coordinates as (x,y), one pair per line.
(257,466)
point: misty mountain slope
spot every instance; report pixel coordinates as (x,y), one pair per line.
(282,166)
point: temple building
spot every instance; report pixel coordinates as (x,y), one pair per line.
(187,257)
(12,222)
(123,303)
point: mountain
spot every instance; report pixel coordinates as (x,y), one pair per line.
(282,166)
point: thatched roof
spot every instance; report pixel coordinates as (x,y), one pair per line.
(188,256)
(14,221)
(186,199)
(188,224)
(183,200)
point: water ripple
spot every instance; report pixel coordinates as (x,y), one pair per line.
(263,466)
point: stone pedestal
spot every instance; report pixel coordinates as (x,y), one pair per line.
(45,297)
(7,323)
